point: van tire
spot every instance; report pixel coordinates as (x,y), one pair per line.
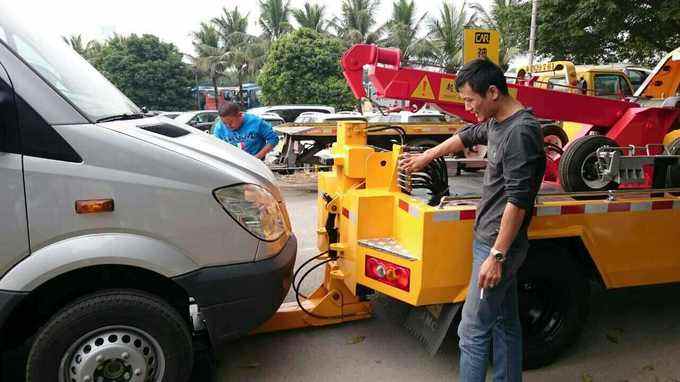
(553,302)
(119,311)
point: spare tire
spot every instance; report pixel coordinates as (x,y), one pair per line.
(578,166)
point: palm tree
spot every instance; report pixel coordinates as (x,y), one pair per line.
(232,26)
(497,19)
(274,16)
(312,17)
(76,42)
(246,60)
(402,30)
(207,36)
(211,58)
(446,35)
(357,20)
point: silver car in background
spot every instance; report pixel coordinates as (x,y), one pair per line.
(122,236)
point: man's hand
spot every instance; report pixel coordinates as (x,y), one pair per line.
(414,162)
(490,273)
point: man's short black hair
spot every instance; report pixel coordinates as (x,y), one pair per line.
(229,109)
(481,73)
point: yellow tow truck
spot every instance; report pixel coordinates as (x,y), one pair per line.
(408,237)
(375,237)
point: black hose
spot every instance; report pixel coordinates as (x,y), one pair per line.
(300,268)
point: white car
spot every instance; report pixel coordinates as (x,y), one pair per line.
(290,112)
(273,118)
(313,117)
(409,117)
(200,119)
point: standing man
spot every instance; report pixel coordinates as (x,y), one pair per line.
(583,85)
(516,163)
(245,131)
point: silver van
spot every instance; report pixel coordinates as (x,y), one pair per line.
(122,235)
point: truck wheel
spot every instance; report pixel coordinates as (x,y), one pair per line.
(554,139)
(673,176)
(555,134)
(425,143)
(117,335)
(578,166)
(553,304)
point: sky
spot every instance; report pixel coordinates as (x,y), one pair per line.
(171,20)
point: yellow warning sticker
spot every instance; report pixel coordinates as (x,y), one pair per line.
(447,91)
(423,90)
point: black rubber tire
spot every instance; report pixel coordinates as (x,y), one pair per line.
(556,131)
(424,142)
(112,308)
(550,275)
(574,156)
(673,176)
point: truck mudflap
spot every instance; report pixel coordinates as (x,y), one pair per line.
(430,324)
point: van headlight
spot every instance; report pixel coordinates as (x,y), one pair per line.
(254,208)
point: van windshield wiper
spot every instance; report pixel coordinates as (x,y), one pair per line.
(122,117)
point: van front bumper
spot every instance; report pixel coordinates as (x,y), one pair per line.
(235,299)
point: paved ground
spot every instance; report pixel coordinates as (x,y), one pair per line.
(631,335)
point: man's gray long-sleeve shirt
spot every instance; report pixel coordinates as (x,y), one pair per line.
(515,167)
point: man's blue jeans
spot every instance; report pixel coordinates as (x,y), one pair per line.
(496,316)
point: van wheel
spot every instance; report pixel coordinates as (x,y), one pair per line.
(578,166)
(118,335)
(553,304)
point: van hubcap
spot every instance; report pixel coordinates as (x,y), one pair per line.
(114,354)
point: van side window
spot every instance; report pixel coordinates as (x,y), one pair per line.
(39,139)
(9,134)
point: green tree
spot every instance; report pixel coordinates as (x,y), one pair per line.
(304,67)
(356,25)
(150,72)
(599,31)
(232,26)
(76,42)
(446,35)
(311,16)
(211,59)
(242,55)
(504,18)
(402,30)
(274,18)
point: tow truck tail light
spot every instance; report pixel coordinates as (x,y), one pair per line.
(388,273)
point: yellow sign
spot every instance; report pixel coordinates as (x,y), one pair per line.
(547,67)
(481,43)
(447,91)
(423,90)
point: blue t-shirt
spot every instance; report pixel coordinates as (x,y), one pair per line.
(252,136)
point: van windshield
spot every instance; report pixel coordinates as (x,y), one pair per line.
(70,74)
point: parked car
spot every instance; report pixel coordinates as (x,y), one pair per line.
(315,117)
(273,118)
(171,114)
(290,112)
(124,238)
(201,119)
(409,117)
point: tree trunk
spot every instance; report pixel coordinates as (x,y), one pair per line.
(217,93)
